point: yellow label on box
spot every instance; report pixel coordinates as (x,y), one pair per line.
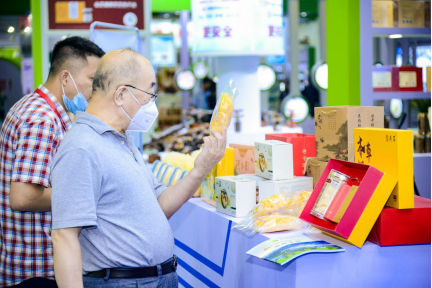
(390,151)
(382,79)
(428,79)
(411,14)
(382,14)
(407,79)
(69,11)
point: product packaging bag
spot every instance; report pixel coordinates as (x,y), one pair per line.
(334,129)
(314,168)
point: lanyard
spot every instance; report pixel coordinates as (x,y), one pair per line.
(51,104)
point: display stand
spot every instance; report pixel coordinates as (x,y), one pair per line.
(212,254)
(367,32)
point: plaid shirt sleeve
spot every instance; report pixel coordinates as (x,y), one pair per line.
(35,146)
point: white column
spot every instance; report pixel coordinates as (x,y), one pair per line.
(243,70)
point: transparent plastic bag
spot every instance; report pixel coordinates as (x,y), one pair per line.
(278,222)
(223,111)
(279,212)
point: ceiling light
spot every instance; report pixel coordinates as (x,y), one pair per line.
(166,15)
(27,29)
(11,29)
(303,14)
(395,36)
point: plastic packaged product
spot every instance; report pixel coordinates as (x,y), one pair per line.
(222,113)
(279,212)
(164,177)
(161,169)
(175,177)
(156,165)
(288,203)
(278,222)
(333,183)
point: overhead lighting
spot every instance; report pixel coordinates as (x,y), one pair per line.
(166,15)
(27,29)
(303,14)
(395,36)
(63,37)
(177,13)
(11,29)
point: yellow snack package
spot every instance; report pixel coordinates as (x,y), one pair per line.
(278,212)
(278,222)
(223,111)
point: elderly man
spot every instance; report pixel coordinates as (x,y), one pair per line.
(106,198)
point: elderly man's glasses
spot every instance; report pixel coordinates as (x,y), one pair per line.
(153,96)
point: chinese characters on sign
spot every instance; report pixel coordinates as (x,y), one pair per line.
(227,27)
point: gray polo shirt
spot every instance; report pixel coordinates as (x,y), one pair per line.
(100,182)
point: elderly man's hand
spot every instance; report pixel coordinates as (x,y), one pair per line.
(213,151)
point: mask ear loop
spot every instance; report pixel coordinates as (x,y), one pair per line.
(73,82)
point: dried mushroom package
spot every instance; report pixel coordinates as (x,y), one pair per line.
(223,111)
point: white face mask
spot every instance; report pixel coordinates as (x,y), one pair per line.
(144,117)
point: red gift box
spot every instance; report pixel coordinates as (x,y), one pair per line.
(403,226)
(372,194)
(404,80)
(382,78)
(304,146)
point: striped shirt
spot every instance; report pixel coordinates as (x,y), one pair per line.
(30,136)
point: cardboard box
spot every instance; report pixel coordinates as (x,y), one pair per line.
(235,196)
(244,159)
(364,209)
(270,188)
(225,167)
(314,168)
(274,160)
(403,227)
(382,78)
(257,180)
(407,79)
(382,13)
(428,78)
(389,150)
(334,129)
(303,146)
(411,14)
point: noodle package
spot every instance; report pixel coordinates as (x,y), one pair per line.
(279,212)
(223,111)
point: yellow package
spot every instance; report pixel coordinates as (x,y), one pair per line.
(278,222)
(292,204)
(222,113)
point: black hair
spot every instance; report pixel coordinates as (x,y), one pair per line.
(72,48)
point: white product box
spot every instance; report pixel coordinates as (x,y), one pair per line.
(274,160)
(235,196)
(270,188)
(255,178)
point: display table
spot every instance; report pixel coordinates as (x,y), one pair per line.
(211,254)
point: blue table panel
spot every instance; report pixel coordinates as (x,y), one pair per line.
(211,254)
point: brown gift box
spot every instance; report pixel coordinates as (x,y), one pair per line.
(334,129)
(314,168)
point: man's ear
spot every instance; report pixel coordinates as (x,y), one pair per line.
(63,77)
(119,95)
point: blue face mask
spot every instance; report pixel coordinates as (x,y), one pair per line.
(79,103)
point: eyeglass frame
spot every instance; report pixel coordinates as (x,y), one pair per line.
(152,99)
